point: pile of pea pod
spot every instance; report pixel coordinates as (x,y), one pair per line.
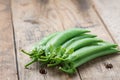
(69,49)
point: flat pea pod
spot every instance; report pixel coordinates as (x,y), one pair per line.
(89,50)
(66,44)
(83,42)
(64,36)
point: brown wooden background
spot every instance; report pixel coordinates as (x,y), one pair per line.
(23,22)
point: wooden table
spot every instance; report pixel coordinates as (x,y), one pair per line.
(24,22)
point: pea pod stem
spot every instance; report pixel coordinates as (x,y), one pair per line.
(69,70)
(54,64)
(25,52)
(26,66)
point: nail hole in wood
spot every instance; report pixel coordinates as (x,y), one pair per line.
(43,71)
(109,66)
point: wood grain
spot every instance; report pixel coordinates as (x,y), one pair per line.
(7,52)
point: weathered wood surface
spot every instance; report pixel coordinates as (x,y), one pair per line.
(8,69)
(34,19)
(25,15)
(109,11)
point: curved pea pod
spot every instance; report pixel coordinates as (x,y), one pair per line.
(71,67)
(89,50)
(83,60)
(66,44)
(83,42)
(65,36)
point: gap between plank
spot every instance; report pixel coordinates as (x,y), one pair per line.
(79,74)
(94,8)
(14,40)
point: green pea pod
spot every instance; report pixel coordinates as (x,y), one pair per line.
(83,60)
(66,44)
(65,36)
(83,42)
(74,64)
(89,50)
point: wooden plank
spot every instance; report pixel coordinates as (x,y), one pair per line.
(81,13)
(35,19)
(26,30)
(32,20)
(109,12)
(7,52)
